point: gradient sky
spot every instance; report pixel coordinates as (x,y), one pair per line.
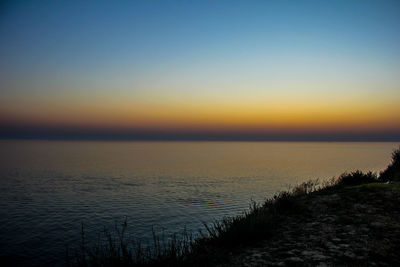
(207,70)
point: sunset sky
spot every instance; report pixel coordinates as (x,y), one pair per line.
(200,70)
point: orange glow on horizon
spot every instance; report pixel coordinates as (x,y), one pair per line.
(239,116)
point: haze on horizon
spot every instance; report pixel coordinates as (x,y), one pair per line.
(204,70)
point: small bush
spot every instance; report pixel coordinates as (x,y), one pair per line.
(356,178)
(392,172)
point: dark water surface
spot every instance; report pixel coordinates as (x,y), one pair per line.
(48,188)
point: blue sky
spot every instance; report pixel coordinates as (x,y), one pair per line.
(179,51)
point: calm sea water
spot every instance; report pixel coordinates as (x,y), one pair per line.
(48,188)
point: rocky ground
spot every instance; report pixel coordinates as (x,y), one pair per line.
(351,226)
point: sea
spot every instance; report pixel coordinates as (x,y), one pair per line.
(49,190)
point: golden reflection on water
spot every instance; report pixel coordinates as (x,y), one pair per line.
(188,159)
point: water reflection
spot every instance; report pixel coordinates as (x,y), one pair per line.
(49,188)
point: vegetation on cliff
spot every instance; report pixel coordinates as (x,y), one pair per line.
(354,219)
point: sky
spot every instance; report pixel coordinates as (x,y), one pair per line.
(200,70)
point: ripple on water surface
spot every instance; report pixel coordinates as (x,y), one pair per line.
(49,188)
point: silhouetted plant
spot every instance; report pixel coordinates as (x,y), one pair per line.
(356,178)
(392,172)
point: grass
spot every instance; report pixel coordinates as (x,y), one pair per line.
(216,244)
(213,245)
(118,249)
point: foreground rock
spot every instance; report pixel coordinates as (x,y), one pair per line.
(354,226)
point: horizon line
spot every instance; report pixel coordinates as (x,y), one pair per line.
(327,140)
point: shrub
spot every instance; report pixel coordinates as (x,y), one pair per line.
(392,172)
(356,178)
